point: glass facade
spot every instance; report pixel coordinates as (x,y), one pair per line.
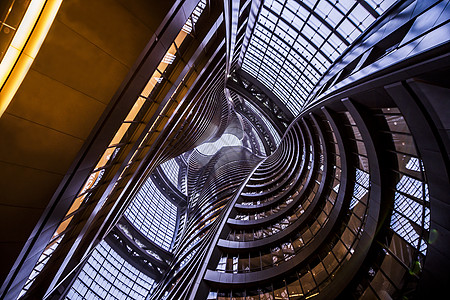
(411,215)
(295,42)
(171,169)
(153,215)
(107,275)
(340,207)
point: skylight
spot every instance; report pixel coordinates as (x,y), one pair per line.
(295,42)
(224,141)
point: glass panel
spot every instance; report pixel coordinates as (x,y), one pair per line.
(266,260)
(409,165)
(330,262)
(105,157)
(340,251)
(108,275)
(348,237)
(404,143)
(135,109)
(354,223)
(382,286)
(120,134)
(298,243)
(277,256)
(171,169)
(307,282)
(244,265)
(361,148)
(229,264)
(307,236)
(212,296)
(394,270)
(280,292)
(223,295)
(252,296)
(222,264)
(266,293)
(368,295)
(153,214)
(319,273)
(294,43)
(404,228)
(360,210)
(238,295)
(402,250)
(295,290)
(396,123)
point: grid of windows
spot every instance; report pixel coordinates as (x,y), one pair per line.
(411,216)
(188,26)
(171,169)
(405,248)
(129,124)
(409,213)
(153,214)
(106,275)
(295,42)
(361,187)
(307,281)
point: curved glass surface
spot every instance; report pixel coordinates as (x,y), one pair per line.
(171,169)
(106,275)
(295,42)
(153,215)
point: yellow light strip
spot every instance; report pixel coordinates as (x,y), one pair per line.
(24,47)
(312,295)
(123,129)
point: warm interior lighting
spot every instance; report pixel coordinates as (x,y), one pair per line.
(20,38)
(296,295)
(120,133)
(62,226)
(48,13)
(24,47)
(312,295)
(134,111)
(75,205)
(156,78)
(105,158)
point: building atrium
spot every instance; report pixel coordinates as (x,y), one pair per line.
(224,149)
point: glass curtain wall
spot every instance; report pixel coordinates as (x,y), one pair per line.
(295,42)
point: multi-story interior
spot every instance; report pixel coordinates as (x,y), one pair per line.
(235,149)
